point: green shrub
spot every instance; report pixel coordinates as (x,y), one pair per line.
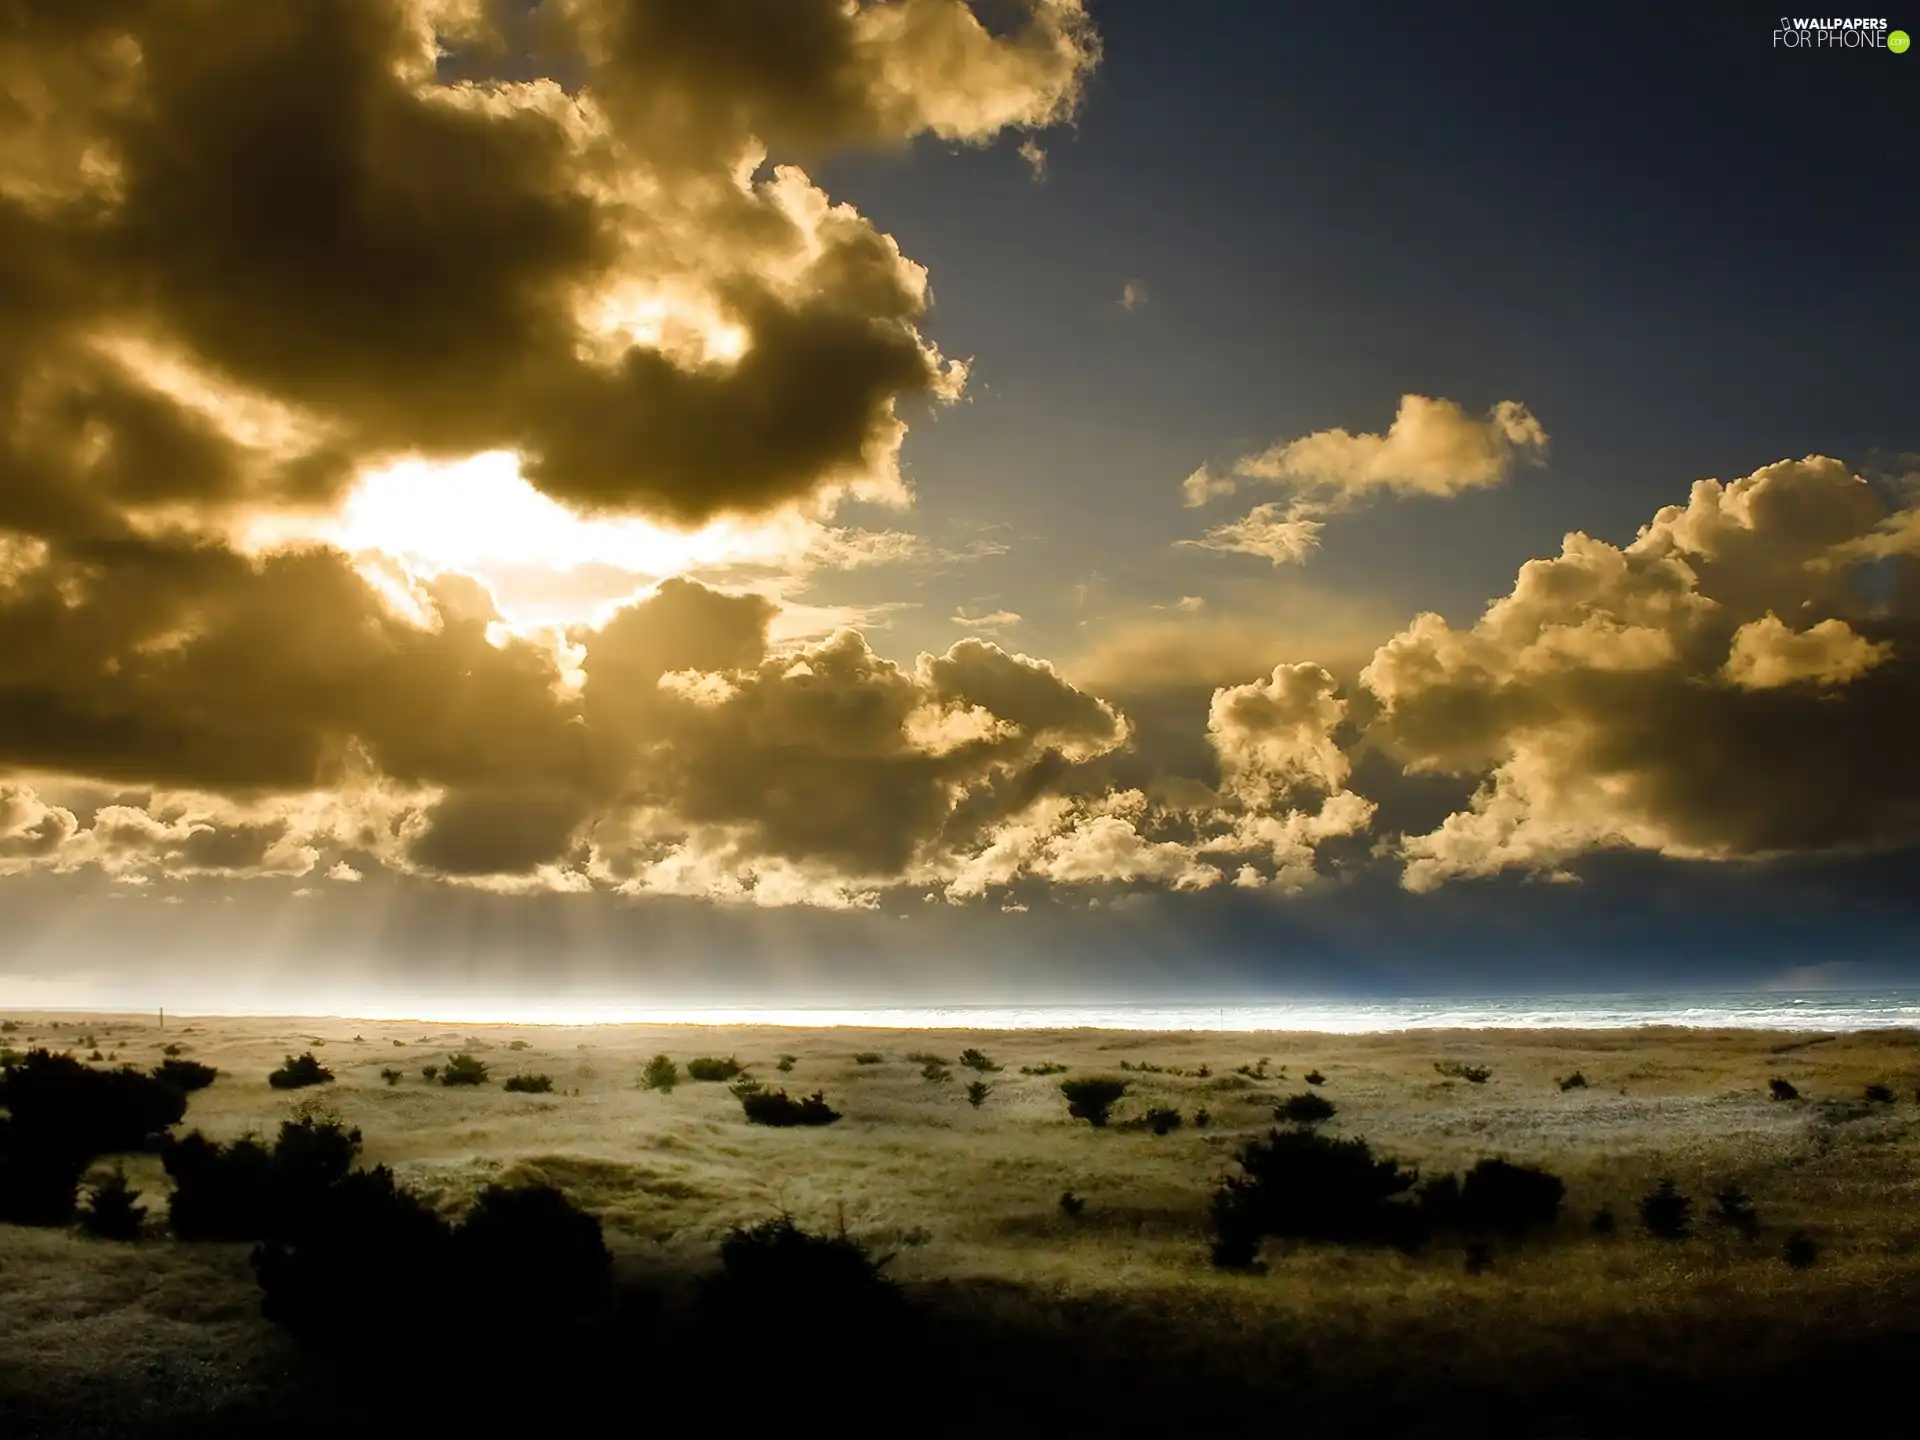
(299,1072)
(463,1069)
(661,1074)
(776,1107)
(1306,1108)
(977,1092)
(1044,1068)
(1092,1099)
(1665,1213)
(709,1067)
(187,1075)
(110,1212)
(528,1084)
(975,1060)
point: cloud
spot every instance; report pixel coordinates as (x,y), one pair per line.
(1651,696)
(1035,157)
(992,620)
(1133,295)
(1433,448)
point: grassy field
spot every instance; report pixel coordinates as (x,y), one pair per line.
(967,1199)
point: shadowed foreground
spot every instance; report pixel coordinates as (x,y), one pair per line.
(1013,1313)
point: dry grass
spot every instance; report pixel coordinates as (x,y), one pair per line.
(969,1195)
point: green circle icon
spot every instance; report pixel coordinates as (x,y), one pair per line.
(1897,41)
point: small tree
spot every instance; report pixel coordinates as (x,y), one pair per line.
(1092,1099)
(977,1092)
(1783,1089)
(528,1084)
(464,1069)
(661,1074)
(1665,1213)
(299,1072)
(110,1212)
(710,1067)
(975,1060)
(1301,1183)
(1306,1108)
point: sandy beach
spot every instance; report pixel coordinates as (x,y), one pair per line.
(966,1196)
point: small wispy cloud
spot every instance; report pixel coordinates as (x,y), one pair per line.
(1036,158)
(1133,295)
(992,620)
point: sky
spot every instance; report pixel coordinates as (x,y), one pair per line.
(802,501)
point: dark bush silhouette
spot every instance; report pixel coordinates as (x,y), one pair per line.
(1512,1199)
(1306,1108)
(364,1235)
(923,1057)
(528,1084)
(1880,1094)
(1801,1250)
(934,1073)
(1783,1089)
(392,1076)
(1575,1081)
(1301,1183)
(1733,1208)
(868,1057)
(185,1075)
(95,1055)
(298,1072)
(1456,1070)
(533,1252)
(1604,1221)
(1044,1068)
(61,1106)
(776,1268)
(1202,1118)
(776,1107)
(708,1067)
(110,1212)
(429,1072)
(975,1060)
(661,1074)
(1091,1099)
(1314,1077)
(171,1050)
(977,1092)
(1479,1257)
(786,1063)
(1162,1120)
(1071,1205)
(1665,1213)
(37,1186)
(245,1190)
(463,1069)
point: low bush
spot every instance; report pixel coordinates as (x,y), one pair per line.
(1497,1195)
(61,1106)
(244,1190)
(392,1076)
(777,1268)
(300,1071)
(1314,1077)
(511,1044)
(1163,1120)
(1202,1118)
(1733,1208)
(1603,1221)
(1456,1070)
(1800,1251)
(1665,1213)
(1046,1067)
(1071,1205)
(925,1057)
(1256,1071)
(110,1211)
(1306,1108)
(776,1107)
(1302,1184)
(786,1063)
(528,1084)
(1092,1099)
(934,1073)
(187,1075)
(1880,1094)
(1783,1089)
(171,1050)
(975,1060)
(464,1069)
(429,1072)
(1575,1081)
(535,1252)
(868,1057)
(977,1092)
(661,1074)
(1479,1257)
(710,1067)
(38,1186)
